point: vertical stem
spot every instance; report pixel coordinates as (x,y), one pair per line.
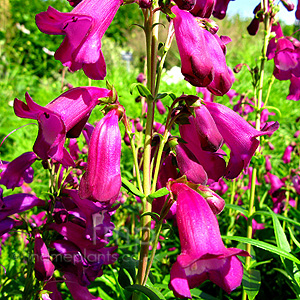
(151,46)
(258,104)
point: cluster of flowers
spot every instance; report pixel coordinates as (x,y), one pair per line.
(283,49)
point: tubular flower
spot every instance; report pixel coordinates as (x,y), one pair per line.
(203,254)
(83,28)
(18,203)
(220,9)
(212,162)
(209,135)
(200,8)
(102,179)
(202,54)
(17,171)
(239,136)
(64,117)
(189,165)
(43,266)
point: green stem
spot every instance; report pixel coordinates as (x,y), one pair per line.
(258,104)
(162,61)
(154,247)
(151,46)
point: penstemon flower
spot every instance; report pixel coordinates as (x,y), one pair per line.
(84,28)
(64,117)
(203,254)
(102,179)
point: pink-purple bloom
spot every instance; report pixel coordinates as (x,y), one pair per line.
(238,135)
(43,266)
(64,117)
(102,179)
(19,170)
(83,28)
(203,254)
(202,53)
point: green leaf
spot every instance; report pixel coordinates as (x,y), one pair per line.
(159,193)
(127,271)
(164,94)
(280,236)
(263,245)
(251,282)
(238,208)
(132,188)
(150,292)
(143,91)
(154,216)
(293,237)
(280,217)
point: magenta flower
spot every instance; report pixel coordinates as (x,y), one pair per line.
(215,202)
(18,203)
(208,133)
(203,254)
(43,265)
(202,54)
(296,183)
(239,136)
(18,171)
(287,154)
(83,28)
(297,13)
(212,162)
(294,90)
(64,117)
(102,179)
(220,9)
(7,224)
(276,183)
(78,291)
(167,171)
(189,165)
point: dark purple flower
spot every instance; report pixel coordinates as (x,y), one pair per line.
(43,265)
(288,4)
(78,291)
(220,9)
(296,183)
(297,13)
(203,254)
(84,28)
(51,286)
(102,179)
(18,171)
(7,224)
(18,203)
(64,117)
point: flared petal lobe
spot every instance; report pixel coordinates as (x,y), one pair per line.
(64,117)
(203,254)
(83,28)
(239,136)
(102,179)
